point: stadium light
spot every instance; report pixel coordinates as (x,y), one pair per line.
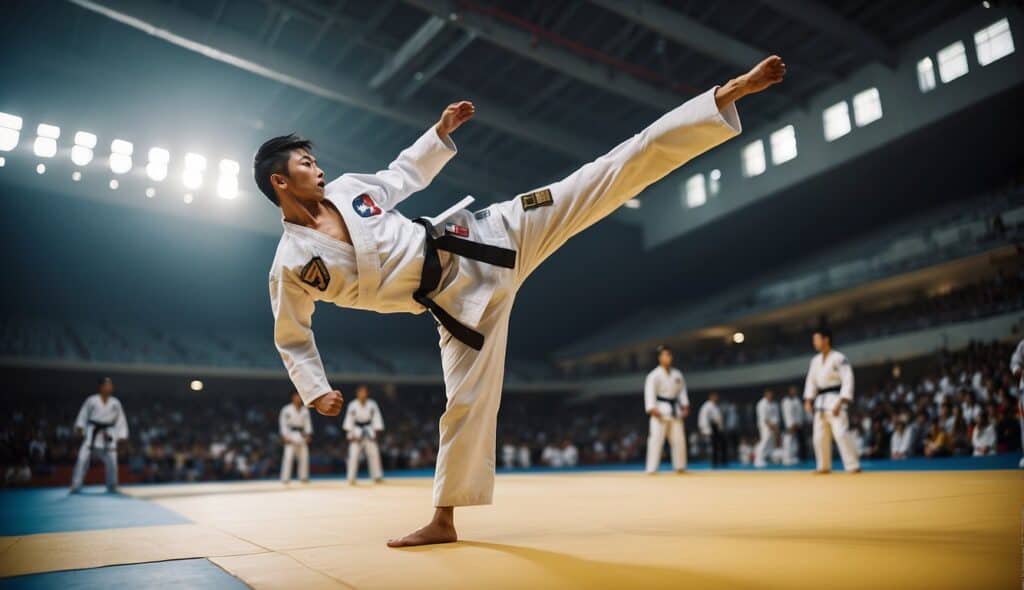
(150,192)
(3,161)
(121,156)
(227,184)
(194,167)
(81,152)
(41,169)
(46,140)
(196,385)
(157,166)
(114,184)
(76,176)
(10,131)
(188,198)
(738,337)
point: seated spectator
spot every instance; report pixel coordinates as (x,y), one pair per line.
(984,437)
(938,443)
(900,443)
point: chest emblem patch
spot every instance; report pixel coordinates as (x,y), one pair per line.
(315,274)
(365,206)
(541,198)
(457,230)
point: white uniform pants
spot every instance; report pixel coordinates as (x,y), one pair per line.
(293,451)
(656,441)
(372,452)
(109,458)
(827,425)
(473,379)
(789,447)
(764,448)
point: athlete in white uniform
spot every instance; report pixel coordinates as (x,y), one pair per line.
(345,243)
(792,423)
(363,421)
(296,428)
(768,421)
(667,403)
(102,423)
(711,423)
(827,392)
(1017,367)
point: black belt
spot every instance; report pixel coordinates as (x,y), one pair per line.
(430,279)
(97,426)
(671,400)
(821,392)
(364,426)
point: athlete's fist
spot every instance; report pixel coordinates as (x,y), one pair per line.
(329,404)
(454,115)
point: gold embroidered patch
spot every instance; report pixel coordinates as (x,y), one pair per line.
(541,198)
(315,274)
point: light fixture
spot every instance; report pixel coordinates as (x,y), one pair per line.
(196,385)
(121,156)
(157,166)
(188,198)
(46,140)
(41,168)
(738,337)
(150,192)
(3,161)
(114,184)
(227,184)
(76,176)
(194,167)
(10,131)
(81,152)
(633,204)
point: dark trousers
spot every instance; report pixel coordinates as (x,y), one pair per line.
(719,457)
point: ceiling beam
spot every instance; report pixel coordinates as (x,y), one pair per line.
(526,45)
(223,45)
(434,68)
(410,50)
(829,22)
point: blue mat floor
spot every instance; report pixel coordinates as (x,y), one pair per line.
(52,510)
(183,573)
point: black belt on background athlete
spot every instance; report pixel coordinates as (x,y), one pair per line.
(364,427)
(671,400)
(97,426)
(430,279)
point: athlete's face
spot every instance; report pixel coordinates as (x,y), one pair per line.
(305,179)
(362,393)
(106,388)
(819,342)
(665,358)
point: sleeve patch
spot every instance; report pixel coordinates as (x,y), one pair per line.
(315,274)
(541,198)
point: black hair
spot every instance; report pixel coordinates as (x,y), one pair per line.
(102,380)
(825,332)
(663,348)
(293,394)
(272,158)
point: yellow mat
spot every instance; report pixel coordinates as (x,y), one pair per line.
(701,530)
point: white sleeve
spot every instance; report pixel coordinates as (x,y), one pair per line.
(703,420)
(846,375)
(282,423)
(82,421)
(810,387)
(378,419)
(413,170)
(684,396)
(1017,360)
(349,423)
(650,398)
(121,423)
(293,335)
(759,410)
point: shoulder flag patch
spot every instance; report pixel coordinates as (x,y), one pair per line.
(541,198)
(365,206)
(315,274)
(454,229)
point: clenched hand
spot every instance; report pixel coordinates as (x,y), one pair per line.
(454,116)
(329,404)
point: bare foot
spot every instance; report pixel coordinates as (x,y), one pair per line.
(432,534)
(822,471)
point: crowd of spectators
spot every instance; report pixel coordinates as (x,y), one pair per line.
(963,404)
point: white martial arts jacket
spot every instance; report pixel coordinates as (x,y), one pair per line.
(767,414)
(295,424)
(792,412)
(670,387)
(363,421)
(103,423)
(709,414)
(310,266)
(1017,364)
(829,380)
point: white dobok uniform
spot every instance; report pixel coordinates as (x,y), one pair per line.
(828,381)
(666,392)
(295,425)
(1017,364)
(385,265)
(768,421)
(362,423)
(792,417)
(103,424)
